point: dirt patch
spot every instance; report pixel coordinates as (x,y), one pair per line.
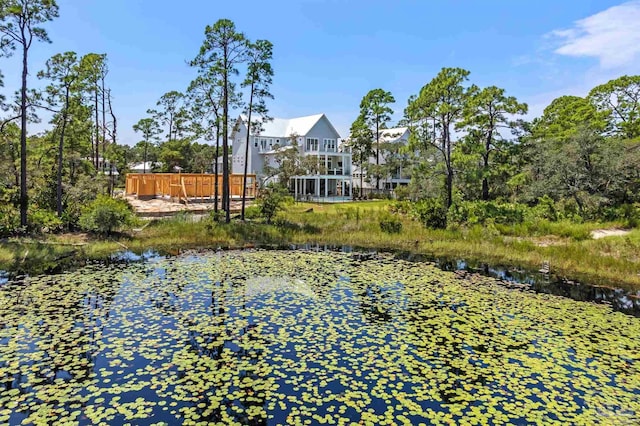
(157,207)
(603,233)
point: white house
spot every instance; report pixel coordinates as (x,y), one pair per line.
(400,176)
(315,136)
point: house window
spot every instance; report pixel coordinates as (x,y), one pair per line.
(255,142)
(263,144)
(330,145)
(312,144)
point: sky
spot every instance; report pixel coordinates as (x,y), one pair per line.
(329,53)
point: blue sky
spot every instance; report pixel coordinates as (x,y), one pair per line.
(329,53)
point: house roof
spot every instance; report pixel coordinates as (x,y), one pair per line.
(389,135)
(285,127)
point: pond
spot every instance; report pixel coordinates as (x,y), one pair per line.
(294,337)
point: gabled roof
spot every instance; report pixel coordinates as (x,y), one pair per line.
(285,127)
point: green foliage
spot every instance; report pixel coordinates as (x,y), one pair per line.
(252,212)
(390,224)
(271,200)
(402,193)
(565,116)
(43,221)
(434,113)
(619,100)
(430,212)
(481,212)
(105,214)
(9,220)
(545,209)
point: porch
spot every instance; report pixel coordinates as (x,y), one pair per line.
(318,188)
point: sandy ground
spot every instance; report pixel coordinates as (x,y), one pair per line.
(162,208)
(603,233)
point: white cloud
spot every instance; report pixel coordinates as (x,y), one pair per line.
(612,36)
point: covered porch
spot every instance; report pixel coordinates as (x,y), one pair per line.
(322,188)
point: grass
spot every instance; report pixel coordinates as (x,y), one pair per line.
(566,246)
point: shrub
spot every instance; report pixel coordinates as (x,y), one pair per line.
(545,209)
(9,220)
(630,214)
(402,193)
(479,212)
(252,212)
(105,214)
(430,212)
(44,221)
(390,224)
(271,200)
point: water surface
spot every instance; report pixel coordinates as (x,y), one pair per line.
(284,337)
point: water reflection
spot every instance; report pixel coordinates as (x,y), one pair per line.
(260,337)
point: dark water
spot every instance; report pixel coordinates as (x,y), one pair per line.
(621,300)
(285,337)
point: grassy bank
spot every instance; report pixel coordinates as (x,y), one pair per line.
(566,246)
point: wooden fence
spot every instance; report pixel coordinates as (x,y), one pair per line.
(186,186)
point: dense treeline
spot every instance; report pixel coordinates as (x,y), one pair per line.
(471,144)
(468,144)
(49,180)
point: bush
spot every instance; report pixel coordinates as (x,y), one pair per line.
(252,212)
(44,221)
(479,212)
(105,214)
(9,220)
(390,224)
(402,193)
(271,200)
(78,195)
(545,209)
(630,214)
(430,212)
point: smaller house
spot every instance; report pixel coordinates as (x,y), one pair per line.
(401,175)
(144,167)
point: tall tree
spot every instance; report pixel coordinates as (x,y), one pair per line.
(93,68)
(20,22)
(258,79)
(487,112)
(565,117)
(206,97)
(150,131)
(169,106)
(376,113)
(223,49)
(620,99)
(433,115)
(360,142)
(62,71)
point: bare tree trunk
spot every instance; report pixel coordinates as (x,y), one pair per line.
(97,147)
(61,153)
(246,156)
(449,182)
(114,139)
(485,180)
(24,197)
(377,154)
(216,171)
(104,125)
(226,199)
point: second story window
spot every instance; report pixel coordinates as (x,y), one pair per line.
(330,145)
(312,144)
